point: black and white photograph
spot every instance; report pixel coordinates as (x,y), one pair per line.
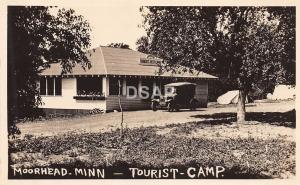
(132,91)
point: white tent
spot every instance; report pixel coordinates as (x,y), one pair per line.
(282,92)
(229,97)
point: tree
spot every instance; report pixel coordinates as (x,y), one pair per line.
(287,24)
(244,45)
(287,20)
(36,39)
(119,45)
(143,44)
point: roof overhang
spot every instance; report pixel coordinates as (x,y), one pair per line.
(130,76)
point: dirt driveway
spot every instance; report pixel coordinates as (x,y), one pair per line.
(145,118)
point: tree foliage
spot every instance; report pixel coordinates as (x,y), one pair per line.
(248,47)
(176,35)
(143,44)
(239,43)
(119,45)
(36,39)
(255,48)
(287,24)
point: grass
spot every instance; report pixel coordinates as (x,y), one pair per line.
(286,119)
(242,157)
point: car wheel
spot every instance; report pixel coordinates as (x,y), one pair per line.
(169,107)
(154,106)
(193,104)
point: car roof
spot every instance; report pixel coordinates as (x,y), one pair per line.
(177,84)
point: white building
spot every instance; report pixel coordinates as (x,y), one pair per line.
(98,86)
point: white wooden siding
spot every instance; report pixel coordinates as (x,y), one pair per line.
(66,100)
(112,103)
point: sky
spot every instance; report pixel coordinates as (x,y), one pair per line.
(112,23)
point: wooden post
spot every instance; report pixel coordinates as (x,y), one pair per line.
(54,86)
(121,109)
(139,86)
(124,87)
(46,86)
(105,86)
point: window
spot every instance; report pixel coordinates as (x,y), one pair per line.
(43,86)
(57,86)
(148,83)
(114,86)
(89,86)
(132,86)
(50,86)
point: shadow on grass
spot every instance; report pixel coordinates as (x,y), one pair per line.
(287,119)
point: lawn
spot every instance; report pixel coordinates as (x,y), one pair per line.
(262,148)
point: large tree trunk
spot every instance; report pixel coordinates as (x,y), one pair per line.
(241,111)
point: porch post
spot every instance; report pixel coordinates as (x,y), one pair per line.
(154,85)
(124,87)
(54,86)
(46,86)
(139,86)
(74,85)
(105,86)
(154,90)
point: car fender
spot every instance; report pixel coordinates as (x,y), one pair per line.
(155,100)
(169,100)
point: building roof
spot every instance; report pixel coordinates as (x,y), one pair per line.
(117,61)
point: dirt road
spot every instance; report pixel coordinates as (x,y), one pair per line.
(145,118)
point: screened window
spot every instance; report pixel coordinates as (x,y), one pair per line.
(89,86)
(147,83)
(114,86)
(43,86)
(132,86)
(57,86)
(50,86)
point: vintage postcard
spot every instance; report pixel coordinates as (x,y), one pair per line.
(131,90)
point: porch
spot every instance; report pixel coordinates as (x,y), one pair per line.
(102,91)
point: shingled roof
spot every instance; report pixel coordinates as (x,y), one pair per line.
(117,61)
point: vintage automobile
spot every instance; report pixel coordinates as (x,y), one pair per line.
(179,95)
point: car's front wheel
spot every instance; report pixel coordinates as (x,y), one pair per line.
(170,108)
(154,106)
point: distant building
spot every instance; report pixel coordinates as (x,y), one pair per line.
(98,87)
